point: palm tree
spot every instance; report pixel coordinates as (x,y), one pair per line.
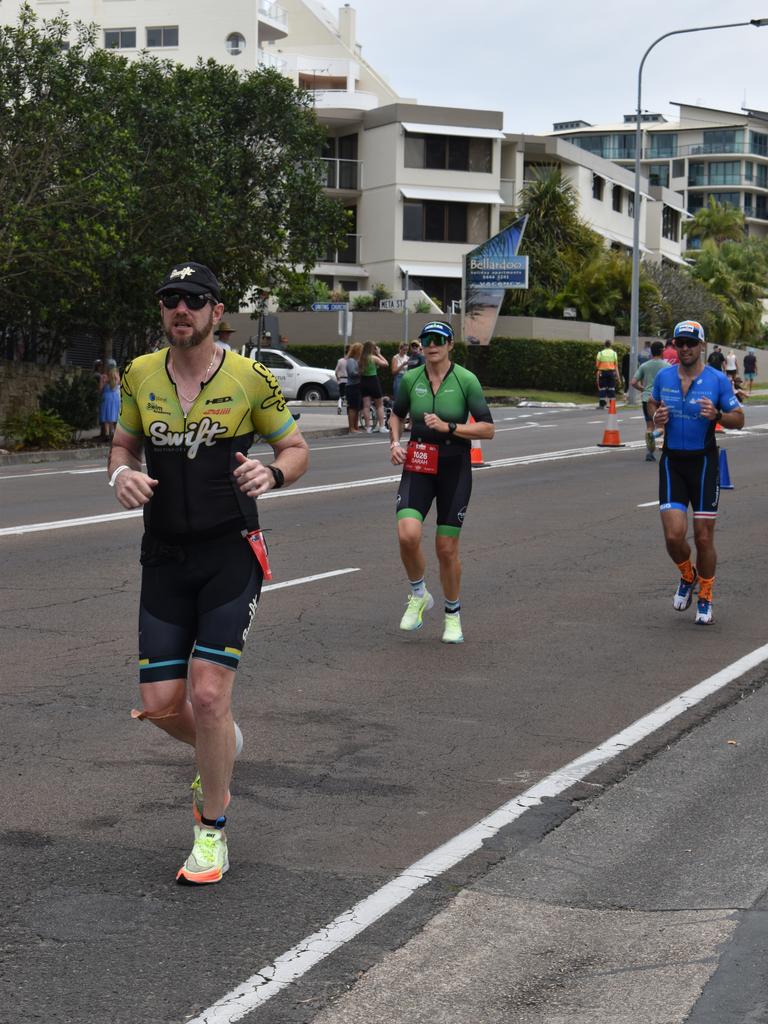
(716,222)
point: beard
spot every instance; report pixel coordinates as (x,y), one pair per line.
(198,334)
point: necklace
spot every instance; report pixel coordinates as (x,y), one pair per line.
(191,398)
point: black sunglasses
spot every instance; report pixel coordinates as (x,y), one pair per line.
(171,300)
(686,342)
(433,339)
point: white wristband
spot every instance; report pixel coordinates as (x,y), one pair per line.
(116,474)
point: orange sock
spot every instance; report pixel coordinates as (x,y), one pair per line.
(686,570)
(705,588)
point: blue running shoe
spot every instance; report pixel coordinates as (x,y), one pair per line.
(684,594)
(704,612)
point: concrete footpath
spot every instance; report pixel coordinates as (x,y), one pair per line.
(648,906)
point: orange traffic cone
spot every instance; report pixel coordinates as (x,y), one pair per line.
(611,438)
(476,458)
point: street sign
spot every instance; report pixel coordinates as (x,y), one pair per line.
(391,304)
(328,307)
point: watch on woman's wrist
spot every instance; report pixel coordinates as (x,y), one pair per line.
(451,428)
(278,474)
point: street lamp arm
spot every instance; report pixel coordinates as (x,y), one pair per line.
(634,313)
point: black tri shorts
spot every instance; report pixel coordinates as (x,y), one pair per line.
(690,478)
(197,601)
(450,487)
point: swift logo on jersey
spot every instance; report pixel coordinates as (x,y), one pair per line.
(204,432)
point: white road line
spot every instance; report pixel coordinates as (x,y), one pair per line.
(293,964)
(520,460)
(649,504)
(307,579)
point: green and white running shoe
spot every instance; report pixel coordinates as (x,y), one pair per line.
(198,800)
(452,630)
(208,861)
(414,611)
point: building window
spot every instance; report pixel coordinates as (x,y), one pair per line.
(163,35)
(678,168)
(747,204)
(695,202)
(758,143)
(748,170)
(723,140)
(598,187)
(658,174)
(431,221)
(664,144)
(697,174)
(617,190)
(448,153)
(349,286)
(630,204)
(726,198)
(670,223)
(762,176)
(725,172)
(120,39)
(235,43)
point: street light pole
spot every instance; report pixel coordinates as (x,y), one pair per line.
(634,309)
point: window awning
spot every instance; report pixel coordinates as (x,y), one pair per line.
(452,129)
(431,269)
(452,195)
(340,270)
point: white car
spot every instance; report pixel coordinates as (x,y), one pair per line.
(297,380)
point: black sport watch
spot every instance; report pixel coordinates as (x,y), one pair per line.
(451,428)
(278,474)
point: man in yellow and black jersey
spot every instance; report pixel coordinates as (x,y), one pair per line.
(192,410)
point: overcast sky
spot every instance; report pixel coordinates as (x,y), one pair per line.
(541,61)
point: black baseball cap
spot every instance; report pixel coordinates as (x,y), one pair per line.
(192,278)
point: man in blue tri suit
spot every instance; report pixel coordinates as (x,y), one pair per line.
(688,400)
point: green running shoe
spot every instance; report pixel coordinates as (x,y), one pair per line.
(208,861)
(414,610)
(452,630)
(198,800)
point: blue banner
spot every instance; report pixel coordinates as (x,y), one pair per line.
(489,270)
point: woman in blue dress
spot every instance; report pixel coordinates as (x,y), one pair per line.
(109,404)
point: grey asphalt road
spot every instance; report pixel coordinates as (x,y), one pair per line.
(365,748)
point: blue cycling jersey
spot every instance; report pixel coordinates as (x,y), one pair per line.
(687,430)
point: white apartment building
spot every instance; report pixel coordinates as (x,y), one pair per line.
(606,194)
(423,185)
(706,153)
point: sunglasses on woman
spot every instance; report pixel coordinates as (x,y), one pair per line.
(194,302)
(433,339)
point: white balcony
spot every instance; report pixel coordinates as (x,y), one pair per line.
(273,21)
(270,60)
(341,104)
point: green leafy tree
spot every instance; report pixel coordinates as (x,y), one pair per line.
(716,222)
(299,292)
(556,241)
(601,292)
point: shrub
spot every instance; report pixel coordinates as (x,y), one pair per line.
(549,365)
(75,399)
(364,303)
(300,291)
(379,292)
(422,306)
(39,429)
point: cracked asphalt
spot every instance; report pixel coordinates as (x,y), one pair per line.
(364,748)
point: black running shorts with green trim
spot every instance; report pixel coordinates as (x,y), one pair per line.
(197,601)
(450,487)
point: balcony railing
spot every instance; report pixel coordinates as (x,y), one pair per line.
(343,174)
(269,60)
(347,253)
(273,11)
(730,182)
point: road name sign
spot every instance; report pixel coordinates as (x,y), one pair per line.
(328,307)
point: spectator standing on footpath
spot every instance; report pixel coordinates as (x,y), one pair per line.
(415,355)
(750,369)
(398,366)
(341,376)
(109,401)
(688,400)
(670,352)
(223,335)
(193,410)
(731,366)
(716,358)
(608,375)
(370,386)
(354,397)
(643,381)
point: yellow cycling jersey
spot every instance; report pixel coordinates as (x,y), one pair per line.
(192,456)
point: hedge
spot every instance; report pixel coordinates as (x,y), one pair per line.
(513,363)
